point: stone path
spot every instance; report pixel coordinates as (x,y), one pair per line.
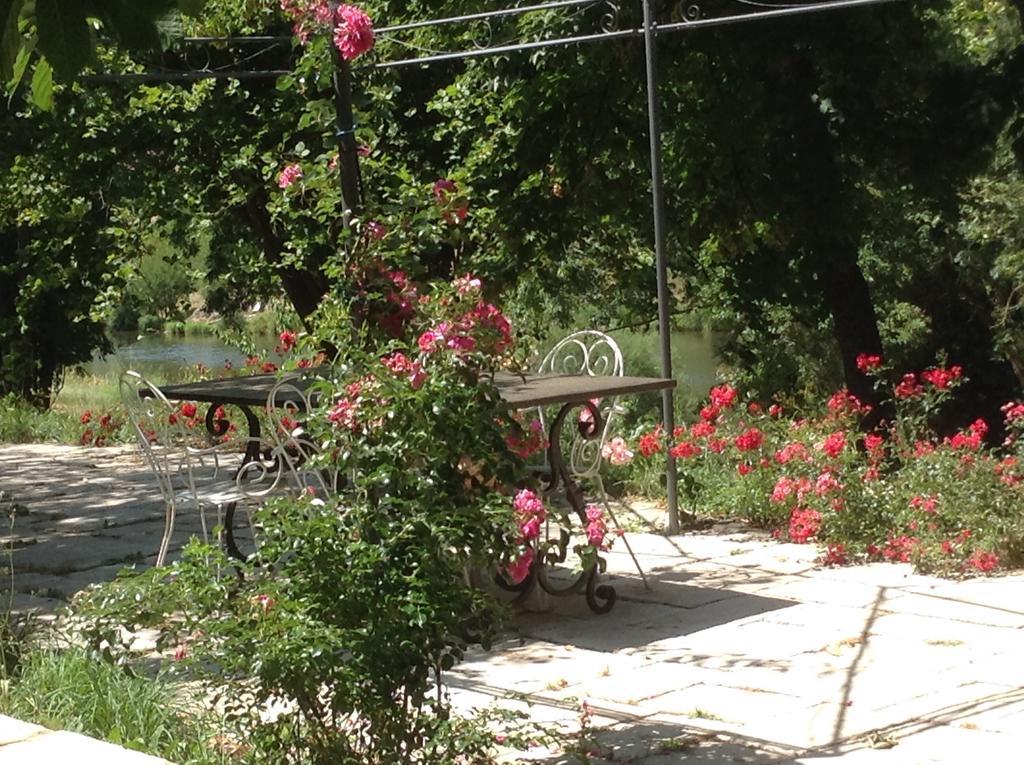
(742,651)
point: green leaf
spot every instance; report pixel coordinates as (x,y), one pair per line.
(42,85)
(21,64)
(10,37)
(64,37)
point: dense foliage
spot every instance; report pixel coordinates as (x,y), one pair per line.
(809,218)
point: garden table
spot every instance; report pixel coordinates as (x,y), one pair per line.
(526,391)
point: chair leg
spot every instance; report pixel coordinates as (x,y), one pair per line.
(252,529)
(168,530)
(202,522)
(629,547)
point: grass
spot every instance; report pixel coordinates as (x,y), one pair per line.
(21,423)
(70,690)
(88,392)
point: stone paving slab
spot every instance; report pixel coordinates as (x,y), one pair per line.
(25,744)
(740,650)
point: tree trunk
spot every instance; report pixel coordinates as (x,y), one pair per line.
(826,216)
(847,296)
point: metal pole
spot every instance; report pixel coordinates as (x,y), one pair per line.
(658,200)
(345,132)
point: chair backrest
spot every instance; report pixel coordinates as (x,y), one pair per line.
(593,353)
(587,352)
(288,406)
(158,428)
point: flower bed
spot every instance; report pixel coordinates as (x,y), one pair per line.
(950,504)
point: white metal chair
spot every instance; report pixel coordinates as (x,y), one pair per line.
(593,353)
(288,406)
(187,475)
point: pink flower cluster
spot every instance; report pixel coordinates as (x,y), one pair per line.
(401,365)
(353,32)
(835,555)
(684,450)
(524,443)
(926,504)
(793,451)
(650,443)
(286,341)
(908,387)
(942,378)
(375,230)
(289,175)
(867,362)
(467,285)
(343,414)
(804,524)
(899,548)
(1012,411)
(843,402)
(617,451)
(797,487)
(834,444)
(530,515)
(971,438)
(597,528)
(453,209)
(484,327)
(352,29)
(749,440)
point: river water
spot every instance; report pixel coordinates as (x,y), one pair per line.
(167,359)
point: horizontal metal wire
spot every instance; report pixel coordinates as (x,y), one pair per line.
(739,18)
(241,40)
(517,11)
(496,50)
(774,13)
(144,77)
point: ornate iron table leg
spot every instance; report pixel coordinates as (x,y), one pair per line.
(600,598)
(217,428)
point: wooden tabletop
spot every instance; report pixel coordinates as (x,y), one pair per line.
(520,391)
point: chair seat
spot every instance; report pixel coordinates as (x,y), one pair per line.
(226,491)
(214,493)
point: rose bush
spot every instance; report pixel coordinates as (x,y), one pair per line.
(356,603)
(346,617)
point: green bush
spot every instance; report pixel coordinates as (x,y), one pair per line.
(20,422)
(150,323)
(356,604)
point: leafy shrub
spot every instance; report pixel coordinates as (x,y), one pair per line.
(150,323)
(21,422)
(356,604)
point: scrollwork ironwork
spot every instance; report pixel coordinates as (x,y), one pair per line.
(687,10)
(610,18)
(483,34)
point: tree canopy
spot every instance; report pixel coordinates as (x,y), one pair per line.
(837,184)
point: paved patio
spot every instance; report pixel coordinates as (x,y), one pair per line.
(742,651)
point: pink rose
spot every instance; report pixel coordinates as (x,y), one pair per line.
(353,32)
